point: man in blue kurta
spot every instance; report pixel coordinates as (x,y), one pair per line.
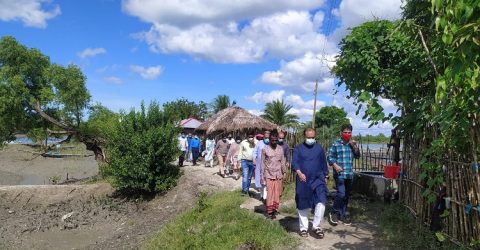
(257,161)
(310,164)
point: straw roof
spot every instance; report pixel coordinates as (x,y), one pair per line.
(235,119)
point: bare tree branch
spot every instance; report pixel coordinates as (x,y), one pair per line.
(428,52)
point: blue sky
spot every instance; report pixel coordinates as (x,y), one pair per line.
(253,51)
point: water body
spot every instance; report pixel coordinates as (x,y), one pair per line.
(26,140)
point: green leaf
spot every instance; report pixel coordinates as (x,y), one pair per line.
(440,236)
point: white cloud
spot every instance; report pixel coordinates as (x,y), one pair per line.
(286,34)
(262,97)
(300,107)
(255,112)
(113,79)
(30,12)
(299,75)
(91,52)
(355,12)
(185,13)
(149,73)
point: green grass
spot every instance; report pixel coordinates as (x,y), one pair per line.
(218,222)
(402,231)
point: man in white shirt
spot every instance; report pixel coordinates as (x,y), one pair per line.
(183,146)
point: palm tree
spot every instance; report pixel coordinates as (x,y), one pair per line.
(277,112)
(221,102)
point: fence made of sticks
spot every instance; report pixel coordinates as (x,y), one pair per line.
(456,211)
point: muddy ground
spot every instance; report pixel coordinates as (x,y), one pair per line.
(20,165)
(93,217)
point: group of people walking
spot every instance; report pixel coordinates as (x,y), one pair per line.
(265,157)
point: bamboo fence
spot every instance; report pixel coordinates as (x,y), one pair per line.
(462,182)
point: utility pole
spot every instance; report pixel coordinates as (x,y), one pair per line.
(314,103)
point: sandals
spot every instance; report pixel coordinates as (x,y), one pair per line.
(319,232)
(304,233)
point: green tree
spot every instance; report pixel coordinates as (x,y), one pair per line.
(330,116)
(141,149)
(35,92)
(221,102)
(277,112)
(183,108)
(432,74)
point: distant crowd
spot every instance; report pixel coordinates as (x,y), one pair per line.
(266,158)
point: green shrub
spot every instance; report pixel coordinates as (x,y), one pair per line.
(140,151)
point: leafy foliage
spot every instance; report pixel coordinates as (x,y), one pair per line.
(141,149)
(35,94)
(183,108)
(221,102)
(277,112)
(428,64)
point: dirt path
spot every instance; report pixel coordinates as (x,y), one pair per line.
(31,216)
(360,235)
(89,217)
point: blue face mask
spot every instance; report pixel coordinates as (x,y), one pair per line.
(266,141)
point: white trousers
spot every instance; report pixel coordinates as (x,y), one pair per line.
(317,218)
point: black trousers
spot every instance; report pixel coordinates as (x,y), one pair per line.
(195,154)
(181,158)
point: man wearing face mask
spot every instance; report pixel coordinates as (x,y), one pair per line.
(310,164)
(195,149)
(340,157)
(284,145)
(246,157)
(221,150)
(257,161)
(183,145)
(232,158)
(230,139)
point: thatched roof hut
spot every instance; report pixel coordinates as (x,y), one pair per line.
(235,119)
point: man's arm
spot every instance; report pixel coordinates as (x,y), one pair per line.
(296,164)
(333,158)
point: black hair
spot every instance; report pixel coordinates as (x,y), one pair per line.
(346,126)
(307,130)
(237,138)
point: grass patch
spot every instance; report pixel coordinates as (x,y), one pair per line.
(402,231)
(218,222)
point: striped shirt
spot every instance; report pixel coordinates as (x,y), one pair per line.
(341,153)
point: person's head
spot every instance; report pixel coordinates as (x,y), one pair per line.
(224,138)
(229,136)
(259,137)
(346,132)
(281,138)
(238,139)
(182,135)
(309,134)
(273,140)
(189,134)
(195,136)
(210,137)
(250,138)
(266,136)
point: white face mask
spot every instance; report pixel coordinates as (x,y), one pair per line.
(310,141)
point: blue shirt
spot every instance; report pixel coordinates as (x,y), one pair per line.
(341,153)
(194,143)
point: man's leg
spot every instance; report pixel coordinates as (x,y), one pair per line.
(181,158)
(250,173)
(338,204)
(220,164)
(245,177)
(303,219)
(348,190)
(195,152)
(319,212)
